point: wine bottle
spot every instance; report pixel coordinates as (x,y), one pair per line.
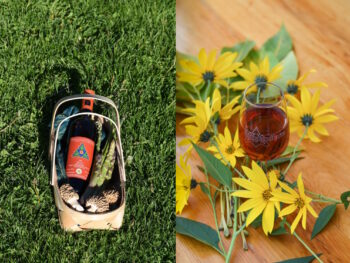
(81,147)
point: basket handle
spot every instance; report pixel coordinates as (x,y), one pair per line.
(78,97)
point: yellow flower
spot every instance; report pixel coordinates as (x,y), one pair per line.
(296,201)
(259,190)
(257,74)
(209,69)
(295,86)
(227,111)
(305,113)
(183,184)
(229,149)
(197,124)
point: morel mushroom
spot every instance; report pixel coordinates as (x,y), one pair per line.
(97,204)
(111,196)
(70,197)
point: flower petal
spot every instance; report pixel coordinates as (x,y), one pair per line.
(306,100)
(246,74)
(248,185)
(246,194)
(228,139)
(250,203)
(282,197)
(296,221)
(304,217)
(211,60)
(288,189)
(296,104)
(301,186)
(273,179)
(288,210)
(202,57)
(260,175)
(254,213)
(326,118)
(312,135)
(311,210)
(268,218)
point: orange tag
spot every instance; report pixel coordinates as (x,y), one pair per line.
(80,155)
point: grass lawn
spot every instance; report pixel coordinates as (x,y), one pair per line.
(124,50)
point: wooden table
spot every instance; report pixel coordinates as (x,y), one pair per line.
(321,37)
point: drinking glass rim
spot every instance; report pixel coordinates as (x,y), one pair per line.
(264,105)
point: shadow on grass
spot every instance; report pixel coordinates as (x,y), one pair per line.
(47,106)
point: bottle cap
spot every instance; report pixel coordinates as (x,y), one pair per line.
(88,104)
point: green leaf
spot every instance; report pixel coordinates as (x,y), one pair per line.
(300,260)
(323,218)
(279,44)
(289,72)
(257,222)
(345,199)
(253,56)
(279,231)
(198,231)
(242,48)
(215,167)
(204,188)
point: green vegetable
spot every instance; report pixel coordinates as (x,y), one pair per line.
(103,167)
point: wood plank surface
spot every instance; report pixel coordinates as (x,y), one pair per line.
(321,38)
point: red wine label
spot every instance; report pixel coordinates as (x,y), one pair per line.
(80,155)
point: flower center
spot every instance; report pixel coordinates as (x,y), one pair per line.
(260,81)
(193,183)
(208,76)
(229,150)
(205,136)
(292,88)
(299,203)
(267,195)
(307,119)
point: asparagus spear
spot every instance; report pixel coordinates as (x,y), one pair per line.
(102,168)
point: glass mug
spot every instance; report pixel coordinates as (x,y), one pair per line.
(263,122)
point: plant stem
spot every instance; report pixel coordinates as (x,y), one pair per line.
(304,244)
(220,190)
(206,91)
(244,241)
(294,151)
(215,217)
(323,198)
(258,96)
(228,210)
(235,232)
(239,173)
(222,212)
(198,94)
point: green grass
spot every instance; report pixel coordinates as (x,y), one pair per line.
(124,50)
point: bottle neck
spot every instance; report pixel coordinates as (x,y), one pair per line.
(87,105)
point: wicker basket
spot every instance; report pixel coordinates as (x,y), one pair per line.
(70,219)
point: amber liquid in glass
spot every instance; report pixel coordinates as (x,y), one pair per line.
(264,132)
